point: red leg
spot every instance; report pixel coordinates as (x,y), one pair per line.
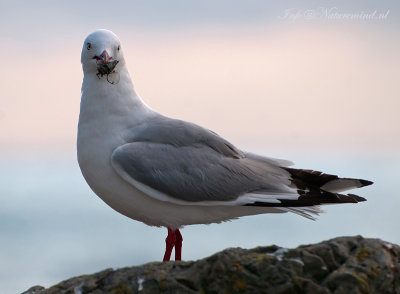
(170,243)
(178,245)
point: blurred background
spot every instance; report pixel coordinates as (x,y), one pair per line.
(316,82)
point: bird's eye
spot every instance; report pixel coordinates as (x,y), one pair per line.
(88,46)
(118,48)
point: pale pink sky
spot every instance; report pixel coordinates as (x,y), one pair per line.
(290,87)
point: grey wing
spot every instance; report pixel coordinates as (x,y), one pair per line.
(182,163)
(198,174)
(164,130)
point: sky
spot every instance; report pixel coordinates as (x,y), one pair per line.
(303,80)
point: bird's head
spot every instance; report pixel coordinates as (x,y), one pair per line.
(102,54)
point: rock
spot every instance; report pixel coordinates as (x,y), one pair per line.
(341,265)
(34,290)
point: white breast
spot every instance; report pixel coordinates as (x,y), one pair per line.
(106,111)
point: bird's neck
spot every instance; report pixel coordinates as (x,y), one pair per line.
(103,99)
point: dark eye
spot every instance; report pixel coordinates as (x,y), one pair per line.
(88,46)
(118,48)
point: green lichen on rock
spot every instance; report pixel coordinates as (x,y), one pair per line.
(340,266)
(240,285)
(122,289)
(374,271)
(362,253)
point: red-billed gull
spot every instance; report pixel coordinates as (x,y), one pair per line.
(172,173)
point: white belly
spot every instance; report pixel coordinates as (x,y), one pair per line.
(94,157)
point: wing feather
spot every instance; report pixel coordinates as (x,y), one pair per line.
(199,175)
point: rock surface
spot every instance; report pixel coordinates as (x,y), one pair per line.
(341,265)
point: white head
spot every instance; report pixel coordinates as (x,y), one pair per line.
(101,51)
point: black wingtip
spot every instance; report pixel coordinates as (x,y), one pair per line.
(365,183)
(357,198)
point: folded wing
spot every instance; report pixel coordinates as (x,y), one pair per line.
(185,164)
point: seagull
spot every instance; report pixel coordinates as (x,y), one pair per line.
(171,173)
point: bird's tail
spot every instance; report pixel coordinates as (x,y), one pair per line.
(315,187)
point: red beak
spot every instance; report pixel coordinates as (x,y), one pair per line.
(104,57)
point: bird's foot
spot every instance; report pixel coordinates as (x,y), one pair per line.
(174,239)
(178,245)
